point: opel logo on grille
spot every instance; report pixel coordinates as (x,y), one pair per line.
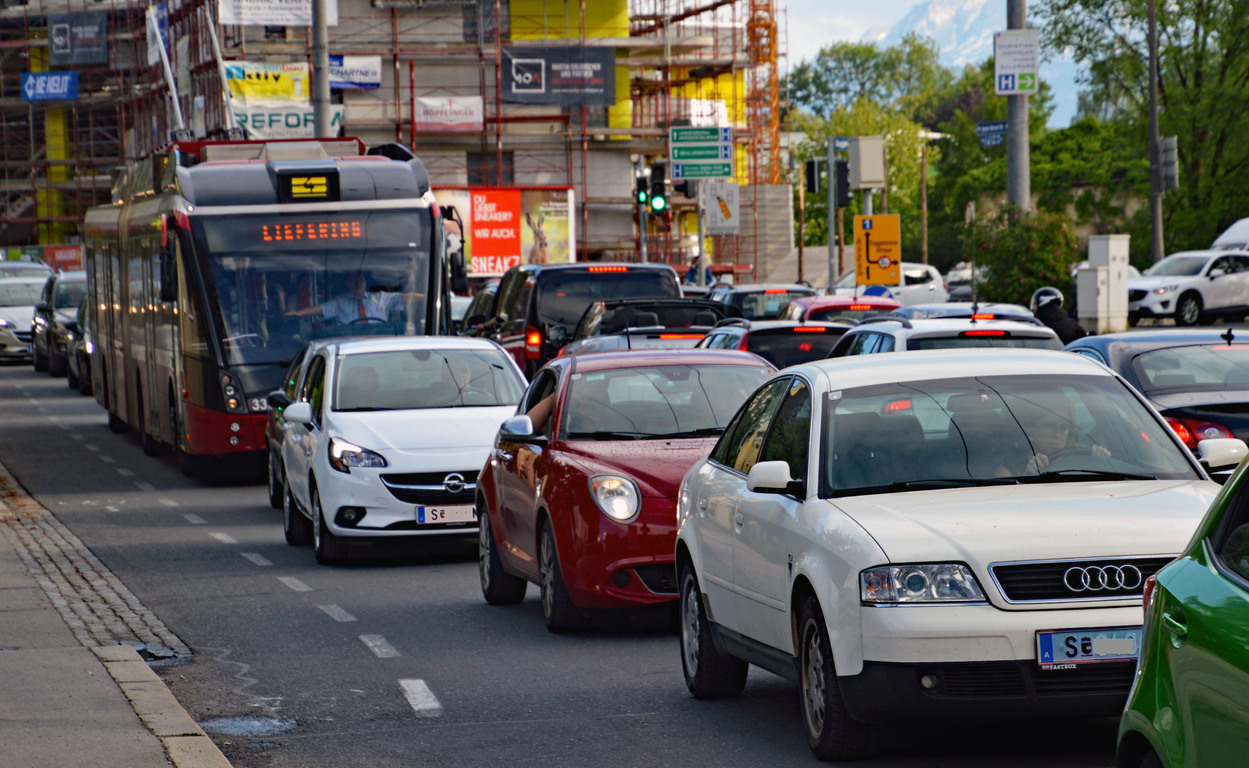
(454,483)
(1102,578)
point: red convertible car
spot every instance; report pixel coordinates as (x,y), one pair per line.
(579,494)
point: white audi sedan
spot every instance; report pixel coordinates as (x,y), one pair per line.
(940,534)
(386,437)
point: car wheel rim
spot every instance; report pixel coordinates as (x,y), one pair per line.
(273,477)
(689,627)
(1188,311)
(483,551)
(547,557)
(316,521)
(813,683)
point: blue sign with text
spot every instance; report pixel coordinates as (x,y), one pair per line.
(49,86)
(991,134)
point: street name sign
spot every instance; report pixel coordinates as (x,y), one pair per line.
(991,134)
(878,249)
(1016,60)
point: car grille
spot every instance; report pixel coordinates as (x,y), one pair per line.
(1054,581)
(24,336)
(660,579)
(1011,679)
(428,489)
(1136,294)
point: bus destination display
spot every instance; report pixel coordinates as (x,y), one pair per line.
(313,230)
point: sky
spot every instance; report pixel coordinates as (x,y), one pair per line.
(815,23)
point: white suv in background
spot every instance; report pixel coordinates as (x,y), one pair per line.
(1192,286)
(921,284)
(945,534)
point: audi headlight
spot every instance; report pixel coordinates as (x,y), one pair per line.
(1165,289)
(928,583)
(616,496)
(345,455)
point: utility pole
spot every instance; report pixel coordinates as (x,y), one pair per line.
(832,216)
(320,70)
(1155,165)
(1018,167)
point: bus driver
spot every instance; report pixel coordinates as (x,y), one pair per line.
(359,305)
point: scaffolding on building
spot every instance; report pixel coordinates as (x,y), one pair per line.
(687,62)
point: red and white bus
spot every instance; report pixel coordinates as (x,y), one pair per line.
(205,272)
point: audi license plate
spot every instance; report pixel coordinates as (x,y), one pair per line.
(1065,648)
(462,513)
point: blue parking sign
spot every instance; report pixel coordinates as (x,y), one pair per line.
(1006,82)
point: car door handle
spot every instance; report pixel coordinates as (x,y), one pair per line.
(738,521)
(1175,626)
(506,455)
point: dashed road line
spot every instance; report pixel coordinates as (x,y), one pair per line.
(144,486)
(167,502)
(423,701)
(194,519)
(336,613)
(112,508)
(294,584)
(125,472)
(77,436)
(380,648)
(224,538)
(108,460)
(256,558)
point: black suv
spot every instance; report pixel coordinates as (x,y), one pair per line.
(538,305)
(781,342)
(56,315)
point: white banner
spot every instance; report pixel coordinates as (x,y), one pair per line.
(450,113)
(283,119)
(283,13)
(359,73)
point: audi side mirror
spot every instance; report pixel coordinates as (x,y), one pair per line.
(774,477)
(1221,452)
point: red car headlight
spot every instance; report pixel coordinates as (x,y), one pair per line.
(617,497)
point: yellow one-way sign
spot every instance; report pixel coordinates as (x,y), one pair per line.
(878,249)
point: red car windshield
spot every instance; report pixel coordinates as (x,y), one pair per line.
(661,401)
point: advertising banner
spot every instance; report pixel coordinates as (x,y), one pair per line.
(450,113)
(77,38)
(283,119)
(288,13)
(511,226)
(565,76)
(49,86)
(269,82)
(355,73)
(63,257)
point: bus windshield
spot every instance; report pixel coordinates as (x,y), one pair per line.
(275,280)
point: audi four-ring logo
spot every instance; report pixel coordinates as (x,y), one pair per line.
(1101,578)
(453,483)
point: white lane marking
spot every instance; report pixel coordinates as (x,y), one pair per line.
(92,448)
(423,700)
(111,508)
(125,472)
(43,410)
(108,460)
(257,559)
(167,502)
(380,648)
(77,436)
(336,613)
(143,486)
(224,538)
(294,584)
(194,519)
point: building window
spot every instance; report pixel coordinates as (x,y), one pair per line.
(483,169)
(479,21)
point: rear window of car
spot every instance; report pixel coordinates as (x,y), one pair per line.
(564,295)
(852,312)
(764,305)
(1213,365)
(784,347)
(666,316)
(964,341)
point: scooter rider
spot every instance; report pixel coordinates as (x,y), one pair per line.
(1047,305)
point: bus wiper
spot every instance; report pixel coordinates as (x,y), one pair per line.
(1077,475)
(926,485)
(605,435)
(704,432)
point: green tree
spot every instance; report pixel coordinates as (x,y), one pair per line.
(1022,252)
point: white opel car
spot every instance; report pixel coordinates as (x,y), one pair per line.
(1192,286)
(941,534)
(386,438)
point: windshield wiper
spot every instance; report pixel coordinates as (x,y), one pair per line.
(364,408)
(605,435)
(704,432)
(927,485)
(1078,475)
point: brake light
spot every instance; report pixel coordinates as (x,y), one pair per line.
(804,347)
(742,346)
(984,316)
(1182,432)
(681,335)
(1193,431)
(1147,596)
(809,329)
(533,343)
(898,406)
(984,333)
(609,269)
(861,307)
(776,290)
(164,230)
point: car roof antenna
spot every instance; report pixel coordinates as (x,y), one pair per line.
(1229,337)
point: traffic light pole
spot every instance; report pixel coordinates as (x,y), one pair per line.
(832,216)
(1155,154)
(701,274)
(642,217)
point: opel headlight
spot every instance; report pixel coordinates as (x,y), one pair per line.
(927,583)
(616,496)
(345,455)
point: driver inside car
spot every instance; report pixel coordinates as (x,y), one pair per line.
(358,305)
(1051,431)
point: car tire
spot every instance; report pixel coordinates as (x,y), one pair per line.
(296,527)
(1150,760)
(85,387)
(41,360)
(497,586)
(557,607)
(71,378)
(1188,309)
(328,548)
(831,733)
(57,365)
(277,488)
(709,674)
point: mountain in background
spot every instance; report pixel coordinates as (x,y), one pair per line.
(963,31)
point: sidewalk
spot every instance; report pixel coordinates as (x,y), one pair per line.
(66,699)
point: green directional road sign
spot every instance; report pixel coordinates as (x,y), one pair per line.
(701,170)
(689,135)
(702,152)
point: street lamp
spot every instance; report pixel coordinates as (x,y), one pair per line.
(926,136)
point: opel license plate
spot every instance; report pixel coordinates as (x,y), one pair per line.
(1065,648)
(461,513)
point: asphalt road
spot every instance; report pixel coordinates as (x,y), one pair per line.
(396,660)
